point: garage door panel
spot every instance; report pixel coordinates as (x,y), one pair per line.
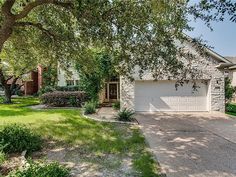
(162,96)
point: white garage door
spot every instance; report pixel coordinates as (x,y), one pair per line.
(162,96)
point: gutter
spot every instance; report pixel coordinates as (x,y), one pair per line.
(225,65)
(233,67)
(219,57)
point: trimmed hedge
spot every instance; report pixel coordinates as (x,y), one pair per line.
(71,88)
(61,99)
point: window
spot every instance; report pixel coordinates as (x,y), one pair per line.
(76,82)
(69,82)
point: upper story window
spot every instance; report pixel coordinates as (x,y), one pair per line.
(69,82)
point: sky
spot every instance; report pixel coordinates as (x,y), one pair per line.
(222,38)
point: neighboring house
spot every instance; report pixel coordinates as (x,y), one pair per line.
(232,70)
(148,95)
(232,74)
(31,82)
(67,78)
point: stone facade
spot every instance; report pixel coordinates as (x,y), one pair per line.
(212,75)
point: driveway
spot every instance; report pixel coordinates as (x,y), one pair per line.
(192,144)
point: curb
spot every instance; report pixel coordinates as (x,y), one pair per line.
(109,121)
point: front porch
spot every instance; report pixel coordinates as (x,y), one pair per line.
(110,93)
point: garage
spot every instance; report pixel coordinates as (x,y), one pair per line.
(163,96)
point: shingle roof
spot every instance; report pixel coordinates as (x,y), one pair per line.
(231,59)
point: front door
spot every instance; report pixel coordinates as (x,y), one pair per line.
(113,91)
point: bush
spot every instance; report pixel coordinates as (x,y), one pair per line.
(229,89)
(68,88)
(61,99)
(230,107)
(17,138)
(116,105)
(41,170)
(46,89)
(2,157)
(125,115)
(90,107)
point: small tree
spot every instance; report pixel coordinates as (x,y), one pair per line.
(229,89)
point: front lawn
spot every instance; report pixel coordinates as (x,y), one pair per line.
(108,149)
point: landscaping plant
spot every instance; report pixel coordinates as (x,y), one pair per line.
(116,105)
(73,101)
(60,99)
(2,157)
(125,115)
(18,138)
(229,89)
(41,170)
(90,107)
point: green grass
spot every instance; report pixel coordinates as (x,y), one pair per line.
(69,128)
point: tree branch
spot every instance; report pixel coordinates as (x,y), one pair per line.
(9,78)
(39,26)
(29,7)
(6,7)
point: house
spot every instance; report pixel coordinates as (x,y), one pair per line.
(31,82)
(231,73)
(148,95)
(67,78)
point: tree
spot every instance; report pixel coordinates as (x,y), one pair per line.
(229,89)
(213,10)
(29,40)
(16,61)
(22,9)
(98,68)
(141,33)
(148,34)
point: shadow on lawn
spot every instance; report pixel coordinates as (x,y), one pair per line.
(96,136)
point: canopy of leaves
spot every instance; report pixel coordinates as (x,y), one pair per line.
(98,69)
(144,33)
(213,10)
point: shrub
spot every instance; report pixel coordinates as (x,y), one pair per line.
(61,99)
(71,88)
(2,157)
(73,101)
(46,89)
(230,107)
(125,115)
(116,105)
(90,107)
(41,170)
(17,138)
(229,89)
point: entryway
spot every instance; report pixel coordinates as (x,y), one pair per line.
(112,92)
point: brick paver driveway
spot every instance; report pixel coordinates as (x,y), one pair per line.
(192,144)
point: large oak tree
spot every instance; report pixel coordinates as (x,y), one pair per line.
(144,33)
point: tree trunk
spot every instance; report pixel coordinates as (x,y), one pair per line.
(5,32)
(6,87)
(7,94)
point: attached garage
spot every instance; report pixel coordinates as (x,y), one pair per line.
(163,96)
